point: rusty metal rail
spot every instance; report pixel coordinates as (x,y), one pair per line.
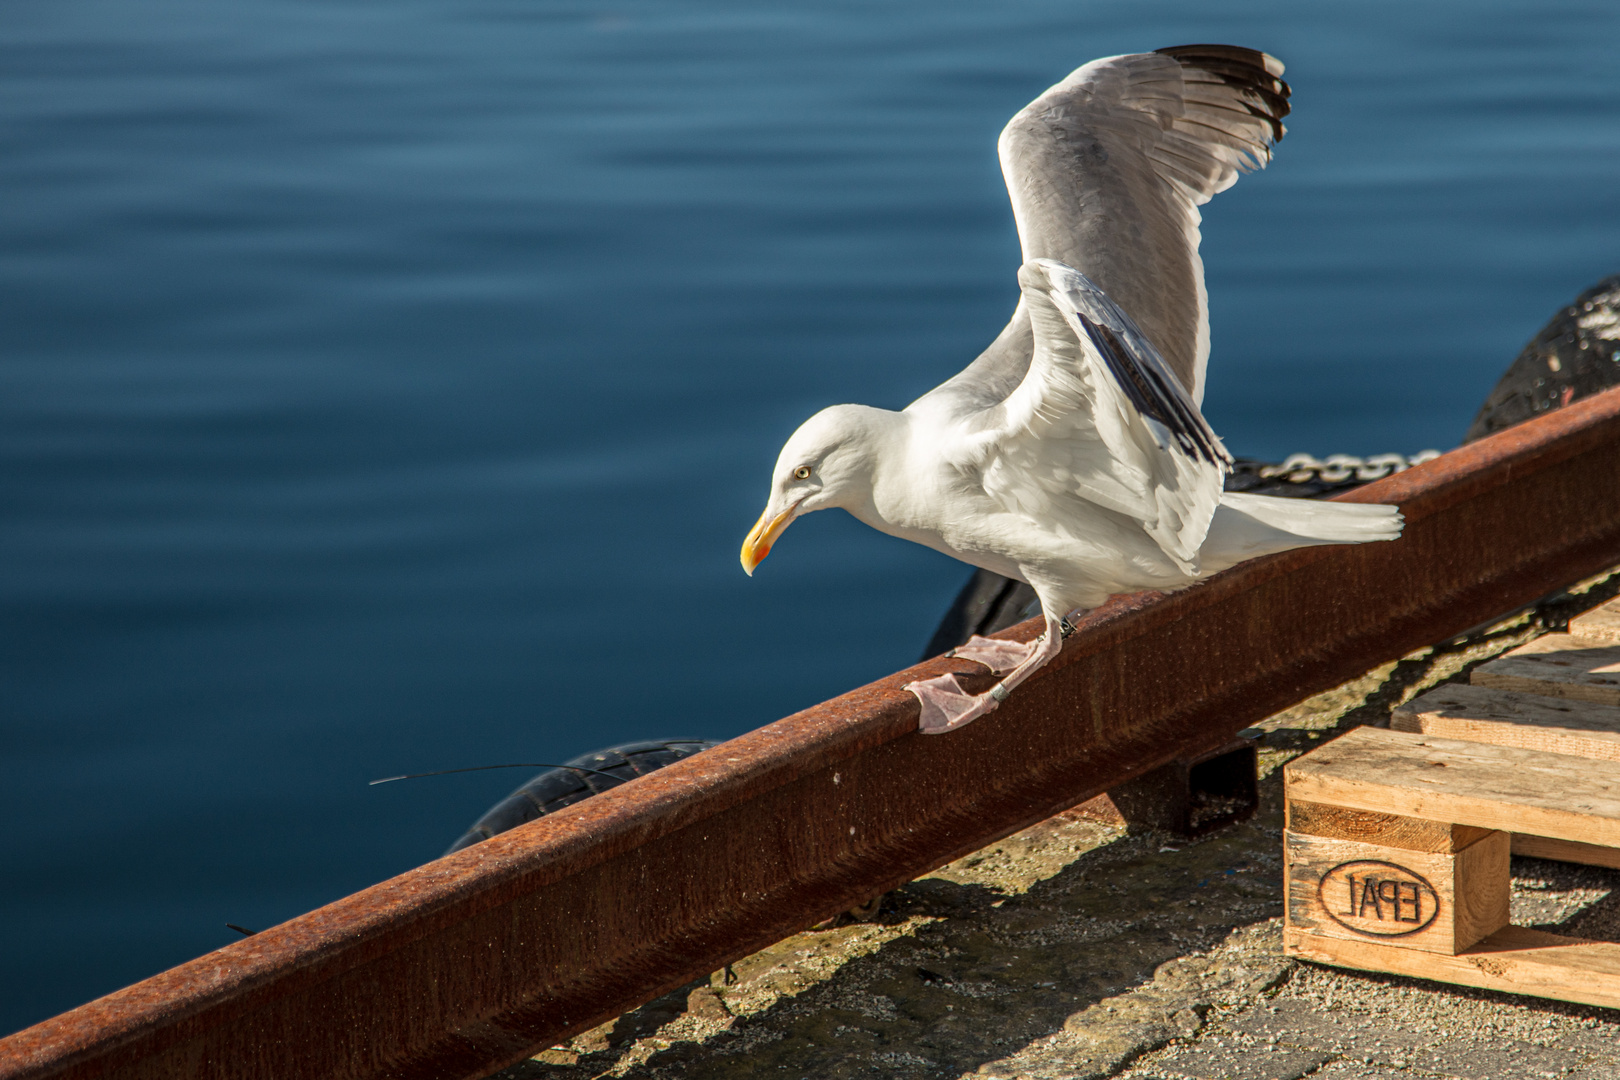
(475,960)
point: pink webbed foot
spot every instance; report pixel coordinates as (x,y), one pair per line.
(999,656)
(946,706)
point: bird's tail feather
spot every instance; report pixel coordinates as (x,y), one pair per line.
(1248,526)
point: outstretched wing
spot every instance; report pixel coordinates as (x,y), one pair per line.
(1101,419)
(1106,171)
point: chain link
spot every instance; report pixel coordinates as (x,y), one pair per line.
(1337,468)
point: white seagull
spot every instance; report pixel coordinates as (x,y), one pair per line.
(1071,454)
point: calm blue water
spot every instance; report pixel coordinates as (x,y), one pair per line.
(389,387)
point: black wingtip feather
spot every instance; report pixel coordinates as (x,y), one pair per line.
(1267,65)
(1246,69)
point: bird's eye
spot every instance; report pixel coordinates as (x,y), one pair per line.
(802,473)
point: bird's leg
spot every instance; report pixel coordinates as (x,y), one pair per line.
(946,707)
(999,656)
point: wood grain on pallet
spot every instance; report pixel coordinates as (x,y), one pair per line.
(1369,827)
(1507,718)
(1599,624)
(1468,783)
(1439,902)
(1557,665)
(1514,959)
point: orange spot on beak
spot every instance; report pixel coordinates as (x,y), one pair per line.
(762,536)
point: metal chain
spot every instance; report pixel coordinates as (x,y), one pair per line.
(1337,468)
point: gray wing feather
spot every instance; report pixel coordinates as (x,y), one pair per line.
(1138,369)
(1106,171)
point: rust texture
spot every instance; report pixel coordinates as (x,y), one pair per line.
(478,959)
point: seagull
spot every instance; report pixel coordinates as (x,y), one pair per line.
(1072,455)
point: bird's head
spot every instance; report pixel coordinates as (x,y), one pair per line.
(828,462)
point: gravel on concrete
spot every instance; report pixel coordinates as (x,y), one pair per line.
(1081,951)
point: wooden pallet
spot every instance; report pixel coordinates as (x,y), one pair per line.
(1397,860)
(1559,694)
(1398,841)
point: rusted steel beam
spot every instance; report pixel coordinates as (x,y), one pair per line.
(477,959)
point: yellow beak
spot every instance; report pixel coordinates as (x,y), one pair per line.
(762,536)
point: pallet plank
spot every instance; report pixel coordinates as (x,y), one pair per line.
(1515,959)
(1508,718)
(1467,783)
(1599,624)
(1542,847)
(1557,665)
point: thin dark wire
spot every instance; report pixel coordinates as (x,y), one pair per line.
(481,768)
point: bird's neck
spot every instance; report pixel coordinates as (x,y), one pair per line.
(886,500)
